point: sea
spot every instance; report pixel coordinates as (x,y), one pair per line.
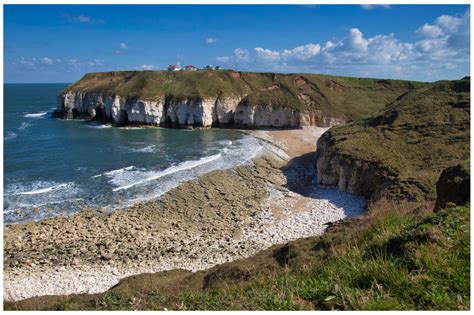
(58,167)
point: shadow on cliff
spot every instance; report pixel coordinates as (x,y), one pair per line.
(300,173)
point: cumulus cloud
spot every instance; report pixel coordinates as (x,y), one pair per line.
(432,31)
(452,29)
(302,53)
(443,44)
(211,40)
(147,67)
(356,41)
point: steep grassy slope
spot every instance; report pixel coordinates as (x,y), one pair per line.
(400,153)
(346,97)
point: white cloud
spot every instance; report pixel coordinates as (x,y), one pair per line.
(432,31)
(47,61)
(27,62)
(121,49)
(302,53)
(56,65)
(147,67)
(83,19)
(211,40)
(374,6)
(356,40)
(266,55)
(445,41)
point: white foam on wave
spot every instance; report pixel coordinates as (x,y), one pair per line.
(29,197)
(10,135)
(234,154)
(131,128)
(240,152)
(118,171)
(148,149)
(149,176)
(98,126)
(43,190)
(35,205)
(35,115)
(24,125)
(129,185)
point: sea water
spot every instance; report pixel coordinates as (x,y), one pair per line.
(55,167)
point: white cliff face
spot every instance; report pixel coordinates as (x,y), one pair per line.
(225,109)
(266,116)
(218,111)
(149,112)
(318,118)
(191,112)
(113,106)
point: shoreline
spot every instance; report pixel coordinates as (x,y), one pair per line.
(219,217)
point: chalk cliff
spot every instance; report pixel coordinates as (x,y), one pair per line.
(224,98)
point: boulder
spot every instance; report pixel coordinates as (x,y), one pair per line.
(453,187)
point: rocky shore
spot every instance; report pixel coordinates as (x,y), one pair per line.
(219,217)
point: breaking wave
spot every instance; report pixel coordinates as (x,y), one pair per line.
(139,184)
(97,125)
(28,198)
(42,190)
(24,125)
(35,115)
(149,176)
(10,135)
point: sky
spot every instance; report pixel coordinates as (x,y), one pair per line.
(60,43)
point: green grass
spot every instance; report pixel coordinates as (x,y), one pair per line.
(400,259)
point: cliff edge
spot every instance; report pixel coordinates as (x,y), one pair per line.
(226,98)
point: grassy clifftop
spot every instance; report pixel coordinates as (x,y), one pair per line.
(409,144)
(340,96)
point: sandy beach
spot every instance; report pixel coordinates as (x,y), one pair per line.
(219,217)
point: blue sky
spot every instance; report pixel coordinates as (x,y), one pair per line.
(59,43)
